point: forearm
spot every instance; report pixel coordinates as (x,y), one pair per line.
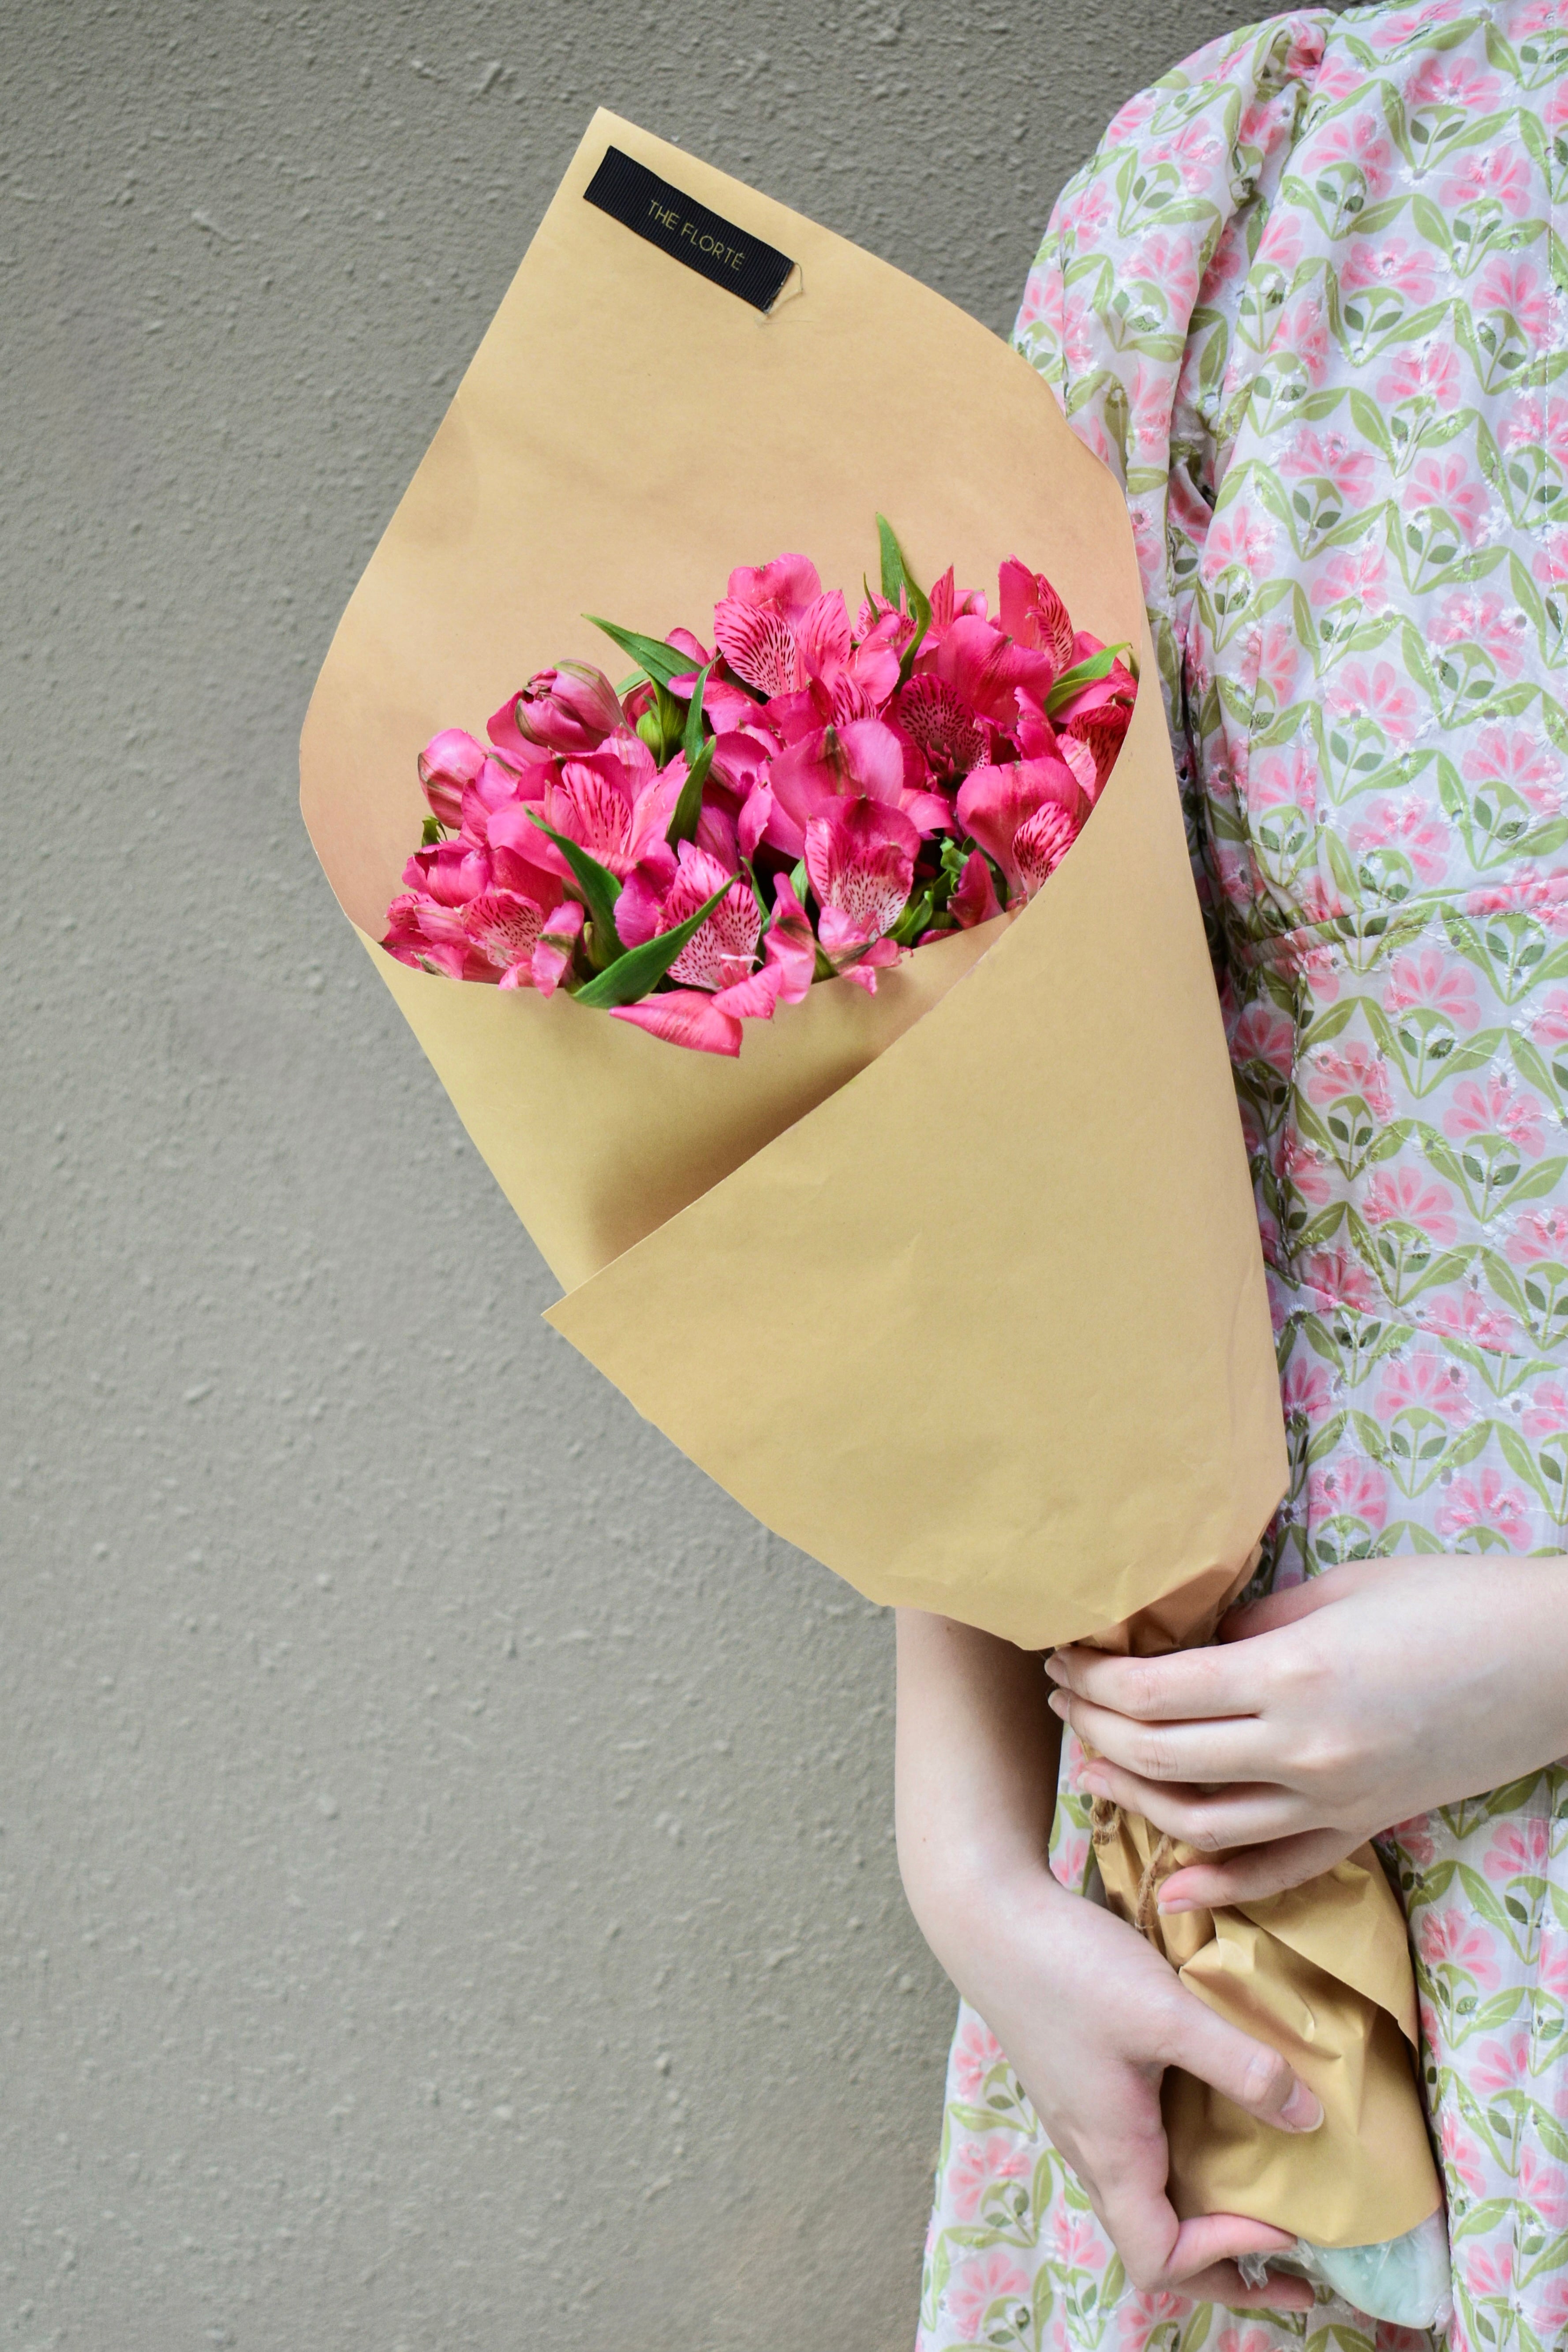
(976,1768)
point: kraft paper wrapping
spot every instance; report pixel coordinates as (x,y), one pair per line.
(959,1289)
(1317,1972)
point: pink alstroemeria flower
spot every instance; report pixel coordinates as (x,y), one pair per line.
(519,931)
(711,1025)
(949,734)
(986,668)
(860,855)
(863,759)
(450,873)
(527,944)
(778,630)
(614,804)
(665,888)
(429,937)
(570,709)
(1027,815)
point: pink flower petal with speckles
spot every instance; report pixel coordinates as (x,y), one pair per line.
(684,1016)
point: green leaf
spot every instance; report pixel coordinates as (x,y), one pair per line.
(1540,1180)
(1324,1025)
(915,918)
(689,807)
(1496,2013)
(662,662)
(919,613)
(1087,672)
(895,571)
(1529,1062)
(600,891)
(639,969)
(431,832)
(1520,1459)
(899,586)
(691,740)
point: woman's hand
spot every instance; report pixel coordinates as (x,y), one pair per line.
(1088,2012)
(1329,1712)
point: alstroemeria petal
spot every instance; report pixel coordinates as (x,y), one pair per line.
(503,927)
(641,902)
(753,998)
(724,949)
(449,763)
(863,759)
(860,855)
(451,873)
(1030,610)
(553,956)
(1082,760)
(1102,730)
(760,646)
(684,1016)
(790,583)
(987,669)
(942,724)
(994,804)
(822,632)
(1041,843)
(754,815)
(927,811)
(974,900)
(789,945)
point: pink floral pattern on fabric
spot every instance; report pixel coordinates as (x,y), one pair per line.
(1308,302)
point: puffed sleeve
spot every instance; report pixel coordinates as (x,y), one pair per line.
(1132,310)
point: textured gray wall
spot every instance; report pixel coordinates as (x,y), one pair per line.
(446,1888)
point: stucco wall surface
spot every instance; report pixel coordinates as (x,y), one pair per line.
(446,1888)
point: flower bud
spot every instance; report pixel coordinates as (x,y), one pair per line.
(449,762)
(570,709)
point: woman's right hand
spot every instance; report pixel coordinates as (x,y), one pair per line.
(1088,2013)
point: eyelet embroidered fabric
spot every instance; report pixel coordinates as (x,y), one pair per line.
(1308,300)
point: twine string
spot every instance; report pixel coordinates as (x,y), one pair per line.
(1104,1821)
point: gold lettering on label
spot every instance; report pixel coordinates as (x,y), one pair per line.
(665,217)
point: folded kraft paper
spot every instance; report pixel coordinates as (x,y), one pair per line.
(991,1362)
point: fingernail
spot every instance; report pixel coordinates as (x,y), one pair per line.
(1054,1667)
(1170,1904)
(1302,2110)
(1057,1704)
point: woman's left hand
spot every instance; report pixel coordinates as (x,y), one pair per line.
(1328,1713)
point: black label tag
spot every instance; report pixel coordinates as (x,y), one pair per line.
(705,241)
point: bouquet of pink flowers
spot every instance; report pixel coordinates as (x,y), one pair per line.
(812,797)
(1097,1444)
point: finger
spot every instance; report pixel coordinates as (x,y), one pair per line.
(1246,2071)
(1223,2283)
(1216,2238)
(1174,1689)
(1211,1819)
(1193,2259)
(1216,1747)
(1294,1601)
(1256,1872)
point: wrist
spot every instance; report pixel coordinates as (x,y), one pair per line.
(974,1893)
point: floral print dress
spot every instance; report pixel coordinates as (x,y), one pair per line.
(1309,301)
